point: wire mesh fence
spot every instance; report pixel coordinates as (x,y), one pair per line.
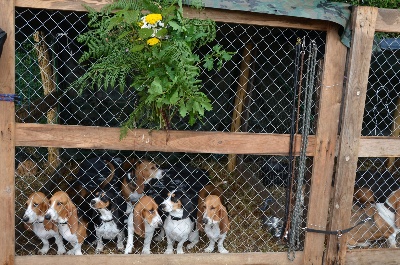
(378,178)
(257,195)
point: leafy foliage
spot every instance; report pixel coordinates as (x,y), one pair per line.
(393,4)
(149,46)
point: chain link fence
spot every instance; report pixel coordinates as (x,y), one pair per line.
(379,175)
(259,194)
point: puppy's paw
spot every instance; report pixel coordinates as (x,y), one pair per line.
(208,249)
(223,250)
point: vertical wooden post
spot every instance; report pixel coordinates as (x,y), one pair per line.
(325,144)
(363,30)
(49,86)
(7,138)
(240,98)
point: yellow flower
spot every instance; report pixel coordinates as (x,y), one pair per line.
(140,24)
(153,18)
(153,41)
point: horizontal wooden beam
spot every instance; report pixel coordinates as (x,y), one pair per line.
(270,258)
(220,15)
(388,20)
(384,256)
(88,137)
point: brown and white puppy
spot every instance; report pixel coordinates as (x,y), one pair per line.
(36,208)
(72,228)
(209,189)
(143,221)
(216,223)
(133,183)
(385,223)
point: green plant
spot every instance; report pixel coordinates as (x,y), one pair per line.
(149,46)
(378,3)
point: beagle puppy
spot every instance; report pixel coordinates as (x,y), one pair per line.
(216,223)
(71,227)
(133,183)
(385,222)
(36,208)
(209,189)
(109,219)
(179,225)
(143,221)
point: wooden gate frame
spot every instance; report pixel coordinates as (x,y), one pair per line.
(324,146)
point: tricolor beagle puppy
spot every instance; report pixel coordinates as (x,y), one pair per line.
(143,221)
(384,224)
(109,218)
(179,225)
(71,227)
(216,223)
(141,173)
(36,208)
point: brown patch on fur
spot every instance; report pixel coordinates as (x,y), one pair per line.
(364,196)
(217,212)
(145,209)
(369,231)
(142,171)
(204,192)
(40,205)
(66,209)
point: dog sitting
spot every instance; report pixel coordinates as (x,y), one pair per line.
(36,208)
(143,221)
(109,220)
(209,189)
(216,223)
(65,214)
(384,223)
(179,225)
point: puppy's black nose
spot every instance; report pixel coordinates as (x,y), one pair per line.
(159,225)
(47,217)
(92,202)
(25,219)
(205,221)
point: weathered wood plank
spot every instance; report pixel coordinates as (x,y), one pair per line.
(374,146)
(7,131)
(220,15)
(388,20)
(270,258)
(67,136)
(325,143)
(363,28)
(382,256)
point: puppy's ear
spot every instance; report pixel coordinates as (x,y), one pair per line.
(73,217)
(138,221)
(224,223)
(44,206)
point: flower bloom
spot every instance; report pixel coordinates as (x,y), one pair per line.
(153,41)
(153,18)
